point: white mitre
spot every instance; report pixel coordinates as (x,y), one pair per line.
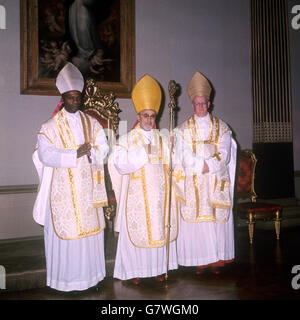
(69,78)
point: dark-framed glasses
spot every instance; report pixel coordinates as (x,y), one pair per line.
(147,116)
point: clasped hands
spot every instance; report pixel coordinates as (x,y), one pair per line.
(205,168)
(151,149)
(84,150)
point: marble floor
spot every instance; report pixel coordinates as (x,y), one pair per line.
(262,271)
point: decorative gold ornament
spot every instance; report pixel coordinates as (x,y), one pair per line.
(103,106)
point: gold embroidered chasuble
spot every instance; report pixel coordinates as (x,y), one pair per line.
(207,195)
(147,198)
(76,194)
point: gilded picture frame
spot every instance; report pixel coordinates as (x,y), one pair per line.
(50,36)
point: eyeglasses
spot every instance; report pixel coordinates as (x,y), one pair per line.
(146,116)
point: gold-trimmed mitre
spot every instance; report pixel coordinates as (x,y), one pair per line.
(198,86)
(146,94)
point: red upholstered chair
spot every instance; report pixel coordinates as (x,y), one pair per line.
(105,109)
(253,210)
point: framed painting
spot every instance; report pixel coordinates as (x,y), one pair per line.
(96,36)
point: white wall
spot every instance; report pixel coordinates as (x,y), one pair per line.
(173,39)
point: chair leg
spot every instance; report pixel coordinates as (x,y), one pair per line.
(251,223)
(277,224)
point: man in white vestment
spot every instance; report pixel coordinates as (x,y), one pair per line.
(207,152)
(69,157)
(139,171)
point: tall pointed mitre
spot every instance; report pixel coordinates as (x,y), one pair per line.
(198,86)
(146,94)
(69,78)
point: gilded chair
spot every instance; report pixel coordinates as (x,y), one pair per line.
(253,210)
(105,109)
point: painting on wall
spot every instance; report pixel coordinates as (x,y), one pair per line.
(96,36)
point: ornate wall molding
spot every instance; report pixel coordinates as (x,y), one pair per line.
(27,188)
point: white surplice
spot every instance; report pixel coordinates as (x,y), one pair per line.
(71,264)
(204,243)
(131,261)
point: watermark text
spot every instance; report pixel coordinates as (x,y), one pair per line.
(2,17)
(296,19)
(2,278)
(296,278)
